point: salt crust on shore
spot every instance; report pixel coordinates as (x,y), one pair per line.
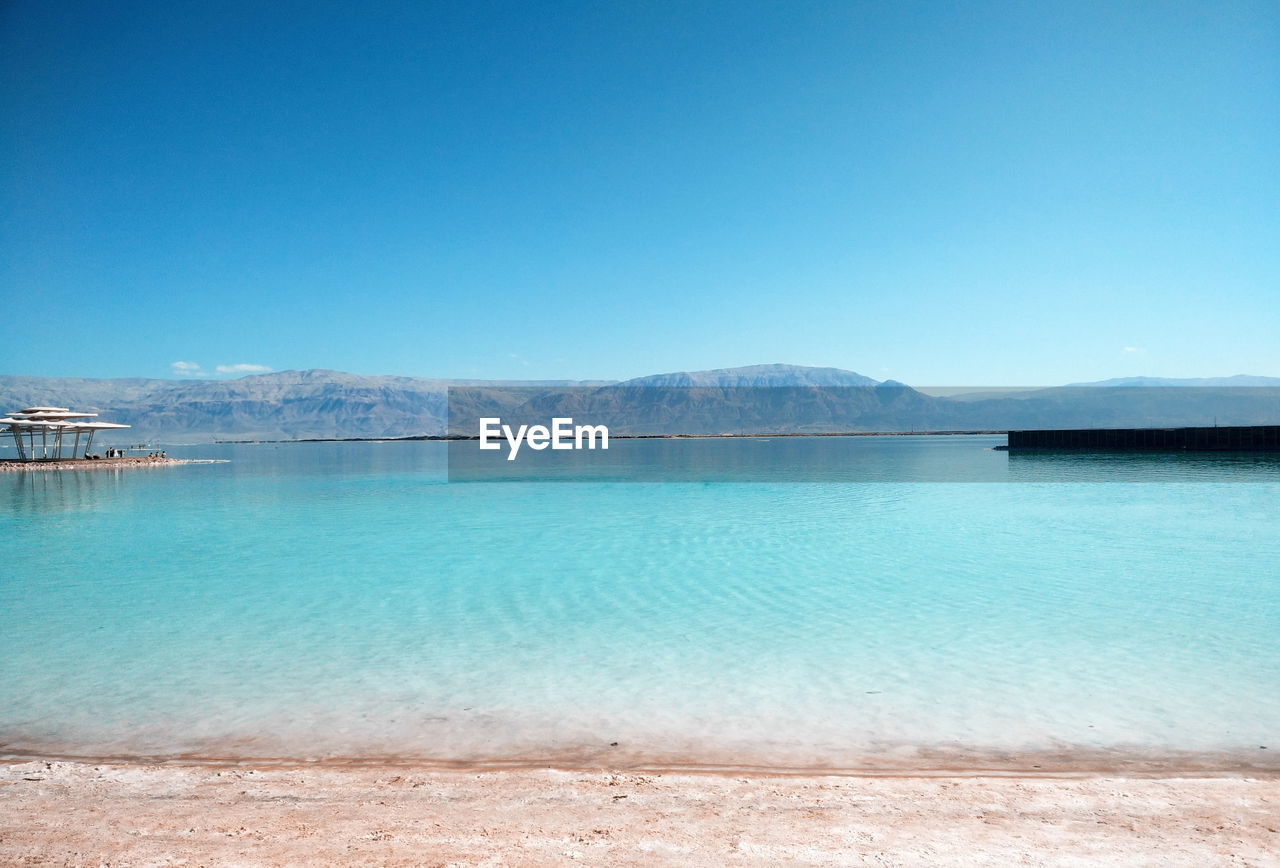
(117,814)
(100,464)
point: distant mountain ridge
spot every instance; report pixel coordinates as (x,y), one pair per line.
(322,403)
(279,405)
(775,375)
(1239,380)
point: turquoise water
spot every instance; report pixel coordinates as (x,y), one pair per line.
(345,601)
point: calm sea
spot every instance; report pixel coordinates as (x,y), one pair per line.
(322,601)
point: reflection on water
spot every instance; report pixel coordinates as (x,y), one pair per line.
(51,491)
(955,458)
(1045,466)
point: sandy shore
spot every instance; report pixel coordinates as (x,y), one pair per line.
(63,813)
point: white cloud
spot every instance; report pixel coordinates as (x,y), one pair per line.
(187,369)
(242,368)
(1133,350)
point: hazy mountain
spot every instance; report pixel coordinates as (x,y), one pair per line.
(756,376)
(636,407)
(1125,406)
(283,405)
(758,398)
(723,401)
(1239,380)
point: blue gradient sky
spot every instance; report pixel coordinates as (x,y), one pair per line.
(935,192)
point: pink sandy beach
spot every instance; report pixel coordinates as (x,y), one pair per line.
(72,813)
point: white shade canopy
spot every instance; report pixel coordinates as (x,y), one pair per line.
(32,423)
(39,432)
(51,414)
(50,423)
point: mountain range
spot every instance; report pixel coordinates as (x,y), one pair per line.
(778,398)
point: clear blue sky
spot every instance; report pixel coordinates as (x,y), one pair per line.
(942,193)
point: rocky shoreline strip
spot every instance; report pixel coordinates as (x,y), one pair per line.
(14,466)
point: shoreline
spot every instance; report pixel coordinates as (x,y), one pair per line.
(923,764)
(122,813)
(13,465)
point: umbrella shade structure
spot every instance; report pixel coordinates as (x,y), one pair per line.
(39,433)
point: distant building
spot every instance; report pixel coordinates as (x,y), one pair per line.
(40,433)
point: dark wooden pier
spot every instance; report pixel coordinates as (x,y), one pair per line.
(1251,438)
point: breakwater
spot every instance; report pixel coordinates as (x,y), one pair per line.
(1248,438)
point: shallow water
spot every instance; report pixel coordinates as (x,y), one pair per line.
(314,601)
